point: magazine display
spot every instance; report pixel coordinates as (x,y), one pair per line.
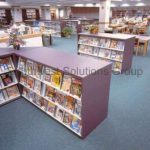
(76,87)
(30,82)
(67,119)
(37,70)
(76,124)
(22,64)
(51,108)
(66,83)
(50,93)
(29,67)
(37,86)
(12,92)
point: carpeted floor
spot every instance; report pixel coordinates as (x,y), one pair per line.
(24,127)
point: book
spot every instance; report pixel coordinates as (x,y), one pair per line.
(116,55)
(1,96)
(29,67)
(24,92)
(82,48)
(47,74)
(95,51)
(77,109)
(23,79)
(60,98)
(107,53)
(95,41)
(1,83)
(30,95)
(59,114)
(76,124)
(12,91)
(37,86)
(67,119)
(7,79)
(76,87)
(113,44)
(108,42)
(43,103)
(30,82)
(117,66)
(50,93)
(22,64)
(120,45)
(66,83)
(36,99)
(70,103)
(101,53)
(37,70)
(56,78)
(51,108)
(7,63)
(103,42)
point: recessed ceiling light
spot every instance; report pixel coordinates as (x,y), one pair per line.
(125,5)
(78,5)
(140,4)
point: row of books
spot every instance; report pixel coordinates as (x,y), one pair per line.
(67,102)
(52,109)
(54,77)
(6,64)
(102,42)
(105,53)
(7,79)
(9,93)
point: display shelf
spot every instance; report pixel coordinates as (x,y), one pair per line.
(117,48)
(52,116)
(49,84)
(5,87)
(46,98)
(93,86)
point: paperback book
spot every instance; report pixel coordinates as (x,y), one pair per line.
(76,87)
(114,44)
(29,67)
(67,119)
(22,64)
(50,93)
(76,124)
(70,103)
(7,79)
(56,78)
(30,82)
(47,74)
(1,96)
(23,79)
(60,99)
(66,83)
(37,70)
(37,86)
(59,114)
(12,92)
(51,108)
(77,110)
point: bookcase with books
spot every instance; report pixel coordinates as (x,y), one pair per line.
(79,101)
(115,48)
(8,81)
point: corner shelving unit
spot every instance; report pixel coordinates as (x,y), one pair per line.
(115,48)
(75,92)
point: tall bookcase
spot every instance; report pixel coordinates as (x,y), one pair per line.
(115,48)
(74,90)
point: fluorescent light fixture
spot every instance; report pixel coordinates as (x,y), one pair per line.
(78,5)
(97,5)
(125,5)
(58,5)
(46,4)
(89,5)
(140,4)
(113,5)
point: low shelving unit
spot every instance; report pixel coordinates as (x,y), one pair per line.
(115,48)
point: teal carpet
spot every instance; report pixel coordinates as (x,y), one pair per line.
(24,127)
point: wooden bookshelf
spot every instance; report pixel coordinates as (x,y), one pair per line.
(115,48)
(93,86)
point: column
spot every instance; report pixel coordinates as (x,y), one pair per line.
(104,14)
(17,14)
(45,13)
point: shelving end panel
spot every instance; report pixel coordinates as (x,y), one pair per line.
(95,99)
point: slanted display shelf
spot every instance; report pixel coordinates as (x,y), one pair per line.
(8,82)
(74,90)
(116,48)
